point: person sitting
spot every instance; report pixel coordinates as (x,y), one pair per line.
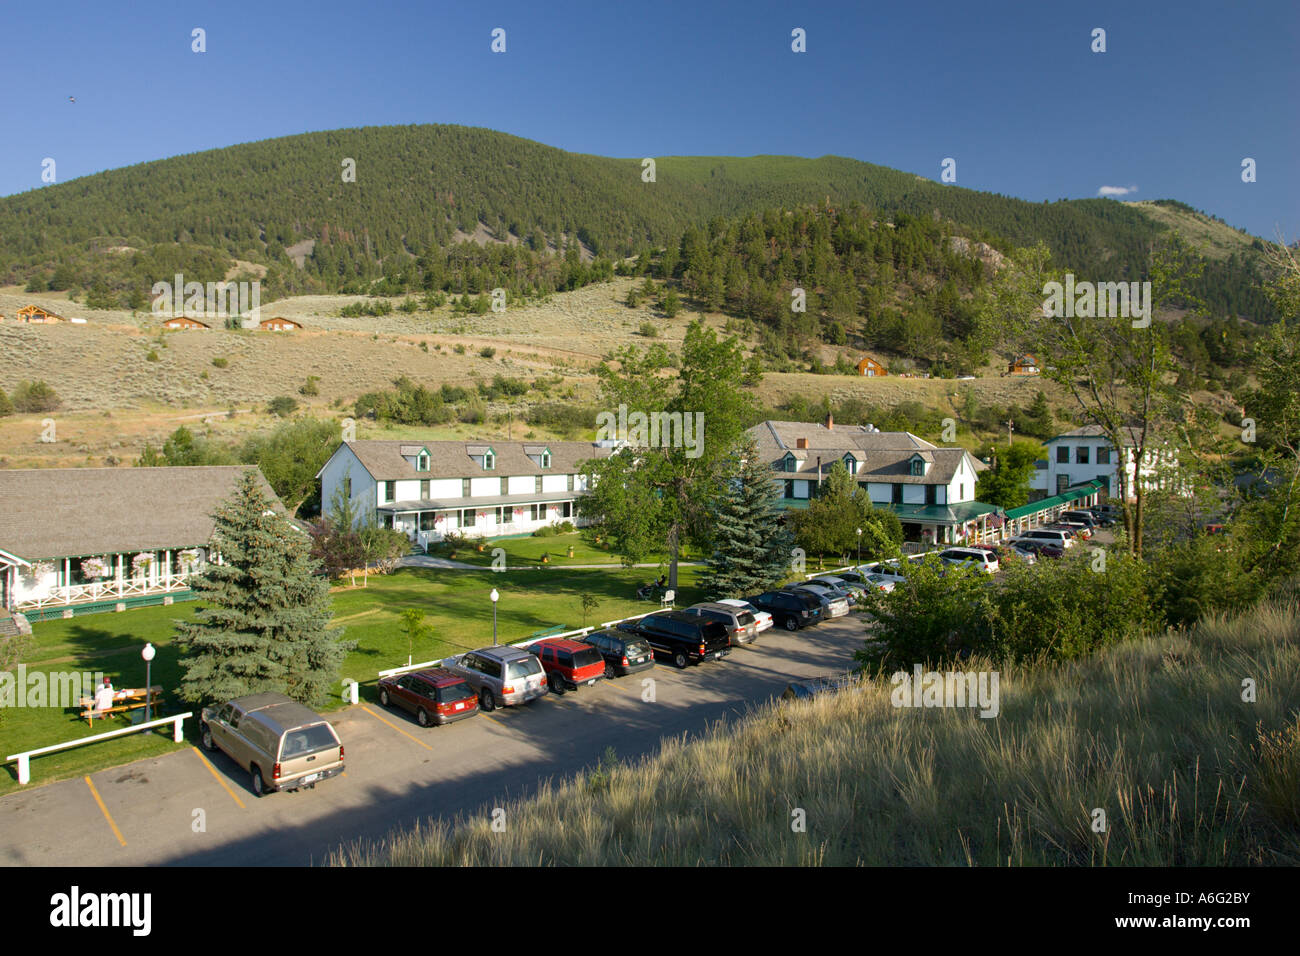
(104,697)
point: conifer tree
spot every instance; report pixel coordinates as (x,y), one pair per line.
(264,623)
(751,546)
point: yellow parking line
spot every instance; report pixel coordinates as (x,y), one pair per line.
(395,727)
(495,720)
(213,770)
(103,809)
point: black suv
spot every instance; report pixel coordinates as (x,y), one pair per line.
(789,608)
(683,637)
(625,653)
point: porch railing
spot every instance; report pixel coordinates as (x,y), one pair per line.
(106,591)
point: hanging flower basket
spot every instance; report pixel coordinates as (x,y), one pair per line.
(141,563)
(94,568)
(189,559)
(40,569)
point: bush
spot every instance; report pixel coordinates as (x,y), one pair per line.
(35,397)
(220,362)
(282,405)
(310,387)
(487,352)
(565,527)
(648,330)
(6,406)
(545,531)
(152,356)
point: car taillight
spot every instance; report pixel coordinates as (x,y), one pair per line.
(625,661)
(275,772)
(340,751)
(701,648)
(508,689)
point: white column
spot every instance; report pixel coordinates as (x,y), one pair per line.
(167,563)
(67,580)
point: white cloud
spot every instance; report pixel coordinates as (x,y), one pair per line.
(1116,190)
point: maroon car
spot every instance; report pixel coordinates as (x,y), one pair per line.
(569,663)
(435,696)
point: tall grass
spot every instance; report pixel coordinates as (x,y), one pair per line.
(1154,733)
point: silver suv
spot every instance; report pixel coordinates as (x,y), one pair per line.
(741,625)
(282,744)
(502,675)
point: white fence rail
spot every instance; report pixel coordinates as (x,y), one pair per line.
(104,591)
(24,758)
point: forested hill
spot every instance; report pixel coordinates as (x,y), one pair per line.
(419,188)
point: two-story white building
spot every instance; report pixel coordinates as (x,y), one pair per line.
(474,488)
(931,488)
(1086,453)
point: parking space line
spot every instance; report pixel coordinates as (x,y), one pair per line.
(103,809)
(213,770)
(395,727)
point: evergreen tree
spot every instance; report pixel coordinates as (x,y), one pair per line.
(263,624)
(751,545)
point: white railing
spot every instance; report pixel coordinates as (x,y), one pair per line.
(524,643)
(24,758)
(105,590)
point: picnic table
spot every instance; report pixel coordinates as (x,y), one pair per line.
(129,698)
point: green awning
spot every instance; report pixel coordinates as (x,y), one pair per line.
(923,514)
(1064,498)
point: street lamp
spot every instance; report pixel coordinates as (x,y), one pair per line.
(859,546)
(148,655)
(495,597)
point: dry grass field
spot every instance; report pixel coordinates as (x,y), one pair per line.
(125,382)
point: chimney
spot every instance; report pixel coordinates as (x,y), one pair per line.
(830,422)
(801,443)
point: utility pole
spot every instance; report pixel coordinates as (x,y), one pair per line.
(1010,427)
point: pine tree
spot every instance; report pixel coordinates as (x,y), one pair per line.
(751,545)
(264,620)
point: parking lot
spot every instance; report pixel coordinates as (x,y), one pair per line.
(195,808)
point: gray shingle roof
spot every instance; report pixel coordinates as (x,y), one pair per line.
(882,456)
(67,512)
(451,459)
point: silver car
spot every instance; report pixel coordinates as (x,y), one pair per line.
(502,676)
(836,600)
(741,625)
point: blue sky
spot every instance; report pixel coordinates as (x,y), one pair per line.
(1012,91)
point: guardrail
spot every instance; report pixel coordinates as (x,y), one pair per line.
(24,759)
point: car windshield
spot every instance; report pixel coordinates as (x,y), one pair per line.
(524,668)
(457,691)
(307,740)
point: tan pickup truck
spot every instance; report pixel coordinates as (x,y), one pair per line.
(282,744)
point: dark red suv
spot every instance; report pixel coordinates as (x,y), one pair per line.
(434,696)
(569,663)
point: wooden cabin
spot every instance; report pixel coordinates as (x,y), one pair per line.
(35,315)
(184,322)
(1024,365)
(870,367)
(278,325)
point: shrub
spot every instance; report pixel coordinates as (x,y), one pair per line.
(565,527)
(648,330)
(487,352)
(6,406)
(545,531)
(282,405)
(35,397)
(460,348)
(152,356)
(309,387)
(220,362)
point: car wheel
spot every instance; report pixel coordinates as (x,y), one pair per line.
(205,737)
(610,673)
(259,787)
(383,697)
(791,624)
(422,717)
(680,660)
(486,701)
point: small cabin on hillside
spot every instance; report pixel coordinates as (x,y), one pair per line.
(35,315)
(184,322)
(870,367)
(1024,365)
(279,325)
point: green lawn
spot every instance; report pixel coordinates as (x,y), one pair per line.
(456,604)
(527,551)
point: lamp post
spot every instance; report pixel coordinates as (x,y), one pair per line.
(148,654)
(859,546)
(495,597)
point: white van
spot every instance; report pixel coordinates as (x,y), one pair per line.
(1062,539)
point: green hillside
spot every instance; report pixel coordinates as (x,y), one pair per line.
(420,189)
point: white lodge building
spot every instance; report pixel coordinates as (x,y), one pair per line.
(474,488)
(930,487)
(1085,454)
(74,540)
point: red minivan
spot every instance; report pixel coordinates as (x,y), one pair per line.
(569,664)
(434,696)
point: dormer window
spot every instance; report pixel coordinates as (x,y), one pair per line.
(790,463)
(918,468)
(422,461)
(546,458)
(489,461)
(539,455)
(851,464)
